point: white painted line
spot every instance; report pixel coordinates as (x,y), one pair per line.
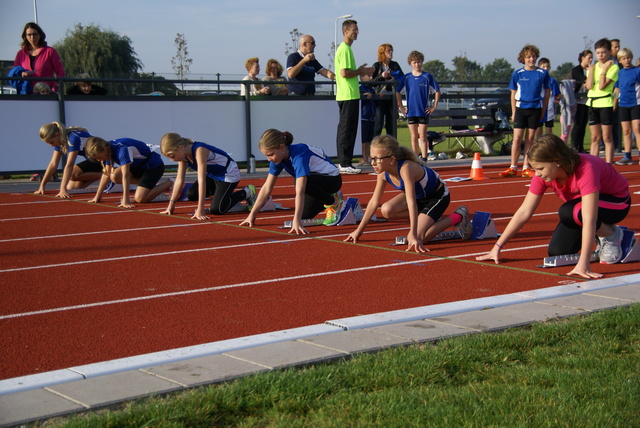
(67,215)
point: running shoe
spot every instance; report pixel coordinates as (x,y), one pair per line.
(250,190)
(349,170)
(432,156)
(464,227)
(610,249)
(333,211)
(510,172)
(528,173)
(625,161)
(35,177)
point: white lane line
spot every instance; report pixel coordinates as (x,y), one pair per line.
(99,232)
(67,215)
(251,283)
(204,290)
(138,256)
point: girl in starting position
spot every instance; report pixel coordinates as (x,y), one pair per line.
(70,142)
(317,179)
(595,196)
(425,197)
(218,175)
(138,165)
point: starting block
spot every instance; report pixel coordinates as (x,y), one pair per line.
(629,246)
(483,228)
(351,214)
(92,189)
(269,205)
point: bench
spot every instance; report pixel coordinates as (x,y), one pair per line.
(469,124)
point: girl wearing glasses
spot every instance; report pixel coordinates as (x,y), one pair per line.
(316,178)
(423,203)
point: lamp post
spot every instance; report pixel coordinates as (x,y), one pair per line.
(35,11)
(335,32)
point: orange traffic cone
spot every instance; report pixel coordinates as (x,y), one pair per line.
(476,168)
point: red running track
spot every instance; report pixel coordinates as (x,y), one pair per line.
(84,283)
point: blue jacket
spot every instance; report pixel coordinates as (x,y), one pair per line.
(22,86)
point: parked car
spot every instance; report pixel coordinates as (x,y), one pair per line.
(498,99)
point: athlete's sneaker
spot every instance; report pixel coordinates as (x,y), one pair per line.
(610,249)
(333,211)
(510,172)
(625,161)
(349,170)
(432,156)
(464,227)
(35,177)
(528,172)
(250,190)
(443,156)
(460,155)
(113,187)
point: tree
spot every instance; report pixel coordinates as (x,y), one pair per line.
(158,85)
(500,70)
(181,62)
(465,69)
(437,68)
(295,37)
(332,56)
(101,54)
(563,71)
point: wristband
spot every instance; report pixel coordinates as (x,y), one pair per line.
(498,245)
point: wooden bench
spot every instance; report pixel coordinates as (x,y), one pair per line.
(469,124)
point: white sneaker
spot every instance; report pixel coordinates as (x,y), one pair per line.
(432,156)
(465,227)
(460,155)
(349,170)
(442,156)
(610,249)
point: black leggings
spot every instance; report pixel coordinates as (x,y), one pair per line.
(223,196)
(319,192)
(567,238)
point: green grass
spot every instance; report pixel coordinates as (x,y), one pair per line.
(577,372)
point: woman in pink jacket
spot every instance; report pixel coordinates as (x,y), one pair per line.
(38,59)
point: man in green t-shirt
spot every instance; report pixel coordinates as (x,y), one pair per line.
(348,96)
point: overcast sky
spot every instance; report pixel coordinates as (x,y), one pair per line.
(221,34)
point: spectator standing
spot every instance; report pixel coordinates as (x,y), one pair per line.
(628,100)
(38,59)
(554,97)
(348,96)
(383,71)
(86,87)
(302,66)
(368,108)
(253,68)
(418,85)
(579,74)
(274,74)
(601,78)
(529,98)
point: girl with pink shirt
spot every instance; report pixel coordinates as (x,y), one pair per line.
(596,197)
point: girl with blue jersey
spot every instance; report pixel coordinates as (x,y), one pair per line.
(69,142)
(218,175)
(530,93)
(138,165)
(317,179)
(628,89)
(425,196)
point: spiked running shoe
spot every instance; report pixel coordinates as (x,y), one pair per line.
(333,211)
(464,227)
(250,190)
(528,173)
(510,172)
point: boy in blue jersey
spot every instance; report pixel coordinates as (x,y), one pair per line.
(529,98)
(418,86)
(628,90)
(546,124)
